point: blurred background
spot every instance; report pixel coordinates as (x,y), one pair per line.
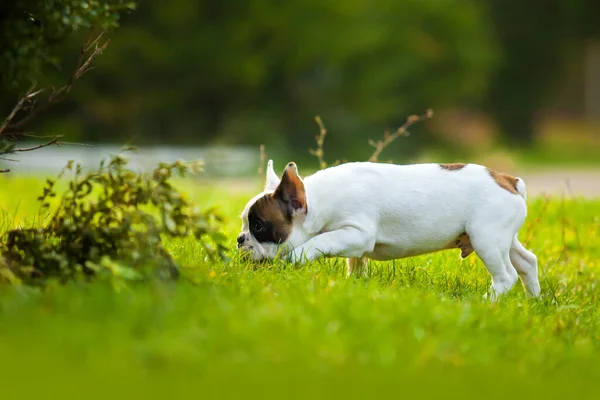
(511,82)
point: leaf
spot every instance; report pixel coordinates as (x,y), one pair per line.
(219,237)
(170,224)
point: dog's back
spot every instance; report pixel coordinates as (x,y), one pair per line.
(413,209)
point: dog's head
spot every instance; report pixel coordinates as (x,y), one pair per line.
(268,219)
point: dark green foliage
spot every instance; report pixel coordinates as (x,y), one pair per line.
(252,72)
(110,221)
(537,39)
(238,72)
(30,30)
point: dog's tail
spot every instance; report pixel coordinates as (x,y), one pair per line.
(520,186)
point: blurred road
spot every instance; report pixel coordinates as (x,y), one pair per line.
(571,183)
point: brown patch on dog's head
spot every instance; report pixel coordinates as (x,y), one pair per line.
(269,220)
(505,181)
(291,190)
(453,167)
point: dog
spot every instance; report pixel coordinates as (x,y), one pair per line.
(365,210)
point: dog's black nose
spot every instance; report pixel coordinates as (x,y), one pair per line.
(241,239)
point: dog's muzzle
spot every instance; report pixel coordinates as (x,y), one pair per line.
(241,239)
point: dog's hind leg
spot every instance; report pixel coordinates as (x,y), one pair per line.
(493,249)
(357,265)
(525,263)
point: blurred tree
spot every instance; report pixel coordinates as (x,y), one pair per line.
(30,32)
(235,71)
(249,72)
(536,39)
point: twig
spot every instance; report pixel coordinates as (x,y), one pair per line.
(31,134)
(18,108)
(74,144)
(320,139)
(88,62)
(39,146)
(18,135)
(402,131)
(57,95)
(262,157)
(29,107)
(93,43)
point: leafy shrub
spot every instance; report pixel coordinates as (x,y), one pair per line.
(110,221)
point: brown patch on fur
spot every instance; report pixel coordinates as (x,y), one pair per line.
(505,181)
(275,218)
(453,167)
(291,189)
(463,242)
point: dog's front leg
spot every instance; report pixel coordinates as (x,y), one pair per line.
(347,242)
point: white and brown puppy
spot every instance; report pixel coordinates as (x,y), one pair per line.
(378,211)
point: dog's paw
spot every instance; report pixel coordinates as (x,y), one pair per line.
(294,257)
(491,296)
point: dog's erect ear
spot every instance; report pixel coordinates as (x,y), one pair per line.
(272,178)
(291,190)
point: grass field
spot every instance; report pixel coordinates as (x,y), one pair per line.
(416,327)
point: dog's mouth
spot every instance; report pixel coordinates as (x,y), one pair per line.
(255,252)
(250,253)
(254,259)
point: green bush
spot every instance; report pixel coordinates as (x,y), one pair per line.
(110,222)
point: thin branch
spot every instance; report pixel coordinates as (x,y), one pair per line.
(17,108)
(28,107)
(3,171)
(91,58)
(74,144)
(320,139)
(93,43)
(402,131)
(31,135)
(39,146)
(83,65)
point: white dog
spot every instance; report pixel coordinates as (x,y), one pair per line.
(378,211)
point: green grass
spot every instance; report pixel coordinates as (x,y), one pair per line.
(414,327)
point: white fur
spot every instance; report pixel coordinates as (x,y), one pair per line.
(386,211)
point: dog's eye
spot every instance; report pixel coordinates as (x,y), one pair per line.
(258,226)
